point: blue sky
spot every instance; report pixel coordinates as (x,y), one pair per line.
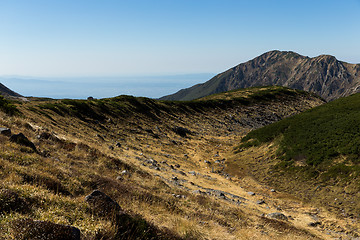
(92,38)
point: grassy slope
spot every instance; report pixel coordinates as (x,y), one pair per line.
(77,159)
(320,148)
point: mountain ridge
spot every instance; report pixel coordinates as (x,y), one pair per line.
(323,75)
(7,92)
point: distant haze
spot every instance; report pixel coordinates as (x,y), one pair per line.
(102,87)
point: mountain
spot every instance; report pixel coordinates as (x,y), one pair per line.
(163,166)
(6,92)
(323,75)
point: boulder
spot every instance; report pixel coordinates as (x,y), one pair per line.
(277,215)
(22,140)
(102,205)
(25,229)
(5,131)
(183,132)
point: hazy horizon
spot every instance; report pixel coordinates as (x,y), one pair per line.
(151,86)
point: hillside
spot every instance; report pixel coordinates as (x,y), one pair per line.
(323,75)
(161,164)
(6,92)
(313,155)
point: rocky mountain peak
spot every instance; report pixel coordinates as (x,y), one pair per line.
(323,75)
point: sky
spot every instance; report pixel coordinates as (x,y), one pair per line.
(68,39)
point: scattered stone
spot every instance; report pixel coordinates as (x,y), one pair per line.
(251,193)
(118,144)
(183,132)
(207,162)
(192,173)
(272,190)
(22,140)
(125,173)
(119,178)
(198,192)
(44,136)
(31,229)
(260,202)
(174,178)
(314,224)
(277,215)
(217,161)
(182,173)
(177,165)
(157,168)
(222,195)
(5,131)
(102,204)
(111,148)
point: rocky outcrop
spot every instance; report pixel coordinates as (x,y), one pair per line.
(22,140)
(102,205)
(323,75)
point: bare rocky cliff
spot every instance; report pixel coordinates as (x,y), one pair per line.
(323,75)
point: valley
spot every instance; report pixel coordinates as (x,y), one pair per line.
(170,164)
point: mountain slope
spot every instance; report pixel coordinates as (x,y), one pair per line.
(163,161)
(323,75)
(314,155)
(6,92)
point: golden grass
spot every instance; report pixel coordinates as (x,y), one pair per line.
(79,161)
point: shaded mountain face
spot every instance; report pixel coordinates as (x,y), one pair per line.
(323,75)
(6,92)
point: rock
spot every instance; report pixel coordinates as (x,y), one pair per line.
(207,162)
(277,215)
(125,172)
(5,131)
(272,190)
(217,161)
(251,193)
(102,204)
(198,192)
(119,178)
(260,202)
(31,229)
(22,140)
(177,165)
(44,135)
(183,132)
(192,173)
(182,173)
(314,224)
(174,178)
(118,144)
(90,98)
(111,148)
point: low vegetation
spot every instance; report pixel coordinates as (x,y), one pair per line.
(161,161)
(319,146)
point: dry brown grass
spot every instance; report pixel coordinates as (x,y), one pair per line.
(77,160)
